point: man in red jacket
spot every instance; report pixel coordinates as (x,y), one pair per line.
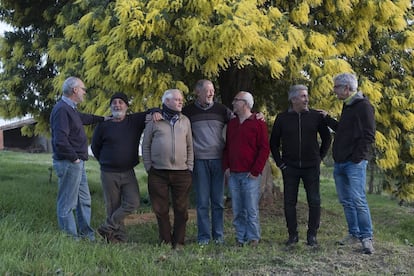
(245,155)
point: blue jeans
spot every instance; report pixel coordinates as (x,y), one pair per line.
(73,196)
(245,192)
(208,180)
(350,181)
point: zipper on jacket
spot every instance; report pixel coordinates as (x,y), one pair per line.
(173,143)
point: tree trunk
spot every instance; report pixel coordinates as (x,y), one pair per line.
(269,193)
(232,81)
(371,173)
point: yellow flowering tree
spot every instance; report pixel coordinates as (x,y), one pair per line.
(375,40)
(144,47)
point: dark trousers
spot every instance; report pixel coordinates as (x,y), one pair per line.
(121,195)
(310,178)
(160,184)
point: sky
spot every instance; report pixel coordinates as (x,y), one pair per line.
(3,27)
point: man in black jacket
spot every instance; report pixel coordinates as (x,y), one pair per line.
(296,151)
(354,136)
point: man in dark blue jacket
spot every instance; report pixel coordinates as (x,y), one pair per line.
(296,151)
(115,144)
(70,151)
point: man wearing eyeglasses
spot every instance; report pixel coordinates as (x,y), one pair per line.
(244,157)
(70,151)
(354,136)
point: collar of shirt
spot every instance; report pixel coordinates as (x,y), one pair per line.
(347,100)
(69,102)
(205,106)
(290,109)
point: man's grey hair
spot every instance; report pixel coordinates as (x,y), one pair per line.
(200,85)
(168,94)
(69,84)
(347,79)
(295,89)
(248,97)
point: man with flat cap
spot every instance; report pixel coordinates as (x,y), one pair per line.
(115,145)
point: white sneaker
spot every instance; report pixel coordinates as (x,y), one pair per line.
(349,240)
(367,246)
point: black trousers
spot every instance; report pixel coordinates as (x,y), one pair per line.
(311,182)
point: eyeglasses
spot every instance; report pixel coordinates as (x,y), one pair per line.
(83,88)
(339,86)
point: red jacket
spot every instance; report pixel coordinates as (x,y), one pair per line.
(247,146)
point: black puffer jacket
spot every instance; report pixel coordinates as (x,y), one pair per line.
(355,131)
(295,135)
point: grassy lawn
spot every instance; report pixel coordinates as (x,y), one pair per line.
(31,243)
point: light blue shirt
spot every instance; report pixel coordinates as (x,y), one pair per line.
(69,102)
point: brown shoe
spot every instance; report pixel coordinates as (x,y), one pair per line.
(178,247)
(254,243)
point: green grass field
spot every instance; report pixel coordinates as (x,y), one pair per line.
(31,243)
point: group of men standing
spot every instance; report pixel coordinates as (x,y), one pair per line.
(201,144)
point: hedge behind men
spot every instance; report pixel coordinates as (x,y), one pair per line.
(70,151)
(208,120)
(115,144)
(167,150)
(245,155)
(354,136)
(296,150)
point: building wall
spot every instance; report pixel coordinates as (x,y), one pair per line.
(12,139)
(1,140)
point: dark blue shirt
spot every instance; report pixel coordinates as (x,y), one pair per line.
(116,144)
(69,141)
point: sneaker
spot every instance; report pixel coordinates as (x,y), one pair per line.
(292,240)
(349,240)
(219,241)
(203,243)
(311,241)
(367,246)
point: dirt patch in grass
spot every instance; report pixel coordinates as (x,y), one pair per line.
(327,259)
(269,207)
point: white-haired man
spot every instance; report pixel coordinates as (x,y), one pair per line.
(70,151)
(167,151)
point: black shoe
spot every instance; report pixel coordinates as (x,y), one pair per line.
(104,234)
(311,241)
(292,240)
